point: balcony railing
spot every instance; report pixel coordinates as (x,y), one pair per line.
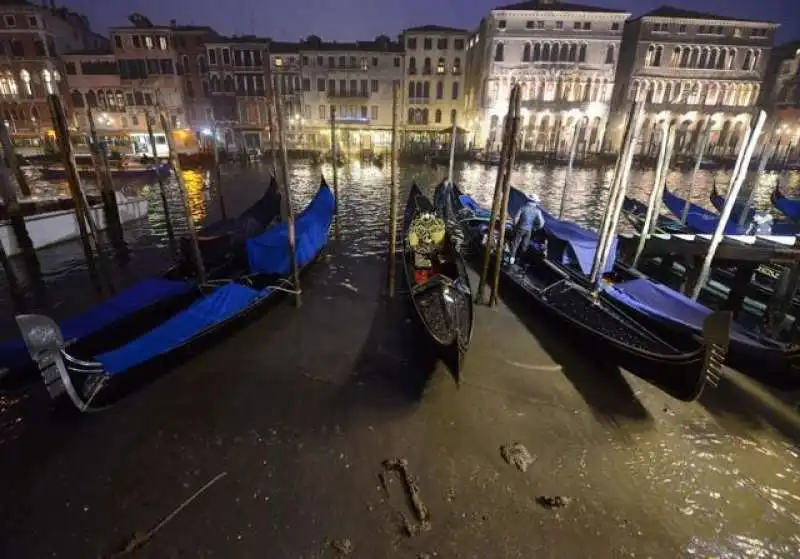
(348,95)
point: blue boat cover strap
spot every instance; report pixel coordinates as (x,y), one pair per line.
(124,304)
(473,206)
(789,206)
(224,302)
(268,253)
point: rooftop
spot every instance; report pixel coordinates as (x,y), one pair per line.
(553,6)
(435,29)
(670,11)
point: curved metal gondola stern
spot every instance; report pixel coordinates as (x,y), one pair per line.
(45,344)
(716,338)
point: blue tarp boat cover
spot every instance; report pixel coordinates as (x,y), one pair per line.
(699,219)
(779,227)
(268,253)
(473,206)
(224,302)
(789,206)
(662,303)
(582,243)
(14,353)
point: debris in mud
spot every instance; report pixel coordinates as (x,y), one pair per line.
(557,502)
(343,546)
(517,455)
(400,466)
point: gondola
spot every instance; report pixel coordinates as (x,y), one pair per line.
(635,212)
(135,173)
(91,381)
(790,207)
(669,314)
(222,243)
(682,369)
(780,228)
(437,280)
(699,219)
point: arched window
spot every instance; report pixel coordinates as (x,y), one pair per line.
(201,63)
(546,52)
(426,91)
(101,99)
(440,66)
(438,116)
(426,66)
(25,77)
(564,56)
(554,53)
(731,58)
(418,90)
(412,65)
(453,115)
(47,80)
(120,98)
(668,92)
(34,113)
(684,62)
(659,54)
(648,57)
(674,62)
(537,52)
(185,63)
(695,56)
(228,84)
(91,99)
(526,53)
(440,90)
(721,59)
(424,116)
(610,54)
(214,84)
(456,65)
(411,89)
(573,52)
(748,56)
(498,52)
(582,54)
(411,116)
(703,62)
(756,57)
(77,99)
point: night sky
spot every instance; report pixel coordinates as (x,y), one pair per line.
(347,20)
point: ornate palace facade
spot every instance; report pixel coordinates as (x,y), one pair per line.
(564,55)
(693,69)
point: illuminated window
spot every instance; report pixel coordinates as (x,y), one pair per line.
(26,82)
(440,66)
(162,43)
(279,62)
(148,41)
(47,78)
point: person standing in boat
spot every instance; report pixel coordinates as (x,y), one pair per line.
(529,218)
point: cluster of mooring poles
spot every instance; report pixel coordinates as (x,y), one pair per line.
(393,186)
(502,188)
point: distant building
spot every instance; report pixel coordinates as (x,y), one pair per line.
(238,83)
(149,76)
(781,98)
(355,80)
(190,42)
(33,37)
(563,55)
(285,71)
(435,70)
(692,68)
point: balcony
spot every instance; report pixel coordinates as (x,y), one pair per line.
(348,95)
(419,100)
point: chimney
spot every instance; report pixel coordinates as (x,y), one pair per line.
(173,23)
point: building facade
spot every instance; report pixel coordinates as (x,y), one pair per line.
(355,81)
(692,69)
(31,39)
(781,98)
(435,68)
(563,55)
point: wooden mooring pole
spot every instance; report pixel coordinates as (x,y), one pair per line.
(498,193)
(748,147)
(452,160)
(12,161)
(161,189)
(106,186)
(700,153)
(512,152)
(197,256)
(572,150)
(10,199)
(92,245)
(392,260)
(653,205)
(335,171)
(12,207)
(287,204)
(766,153)
(218,173)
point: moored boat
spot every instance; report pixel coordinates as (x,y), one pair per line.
(681,369)
(790,207)
(437,280)
(56,226)
(87,170)
(91,381)
(779,228)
